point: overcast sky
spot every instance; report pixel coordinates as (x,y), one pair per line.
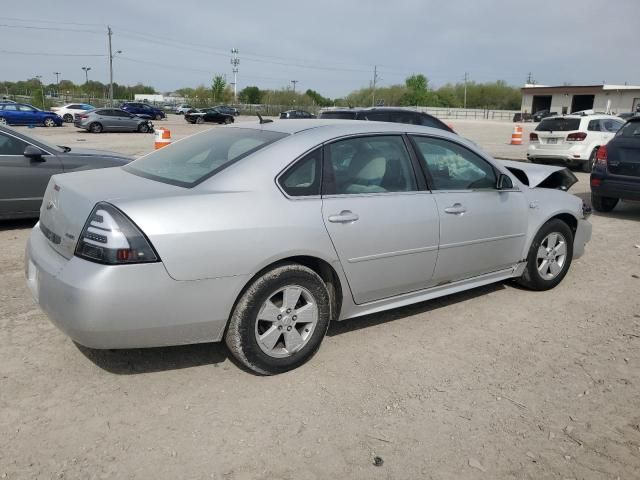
(330,46)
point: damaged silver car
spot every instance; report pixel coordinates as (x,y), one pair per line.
(262,234)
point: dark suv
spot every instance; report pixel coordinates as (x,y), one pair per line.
(143,110)
(616,173)
(387,114)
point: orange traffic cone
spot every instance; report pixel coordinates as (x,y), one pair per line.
(163,138)
(516,136)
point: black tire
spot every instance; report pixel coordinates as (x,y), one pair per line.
(199,120)
(49,122)
(531,278)
(603,204)
(228,120)
(68,118)
(3,121)
(588,165)
(143,128)
(95,127)
(241,332)
(158,117)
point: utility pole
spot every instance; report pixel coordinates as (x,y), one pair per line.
(529,79)
(57,74)
(466,79)
(294,85)
(373,85)
(235,61)
(86,74)
(109,33)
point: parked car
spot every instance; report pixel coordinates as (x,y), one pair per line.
(262,234)
(542,114)
(208,115)
(616,173)
(296,114)
(628,115)
(26,164)
(24,114)
(143,110)
(112,120)
(522,117)
(227,109)
(183,108)
(67,112)
(574,139)
(386,114)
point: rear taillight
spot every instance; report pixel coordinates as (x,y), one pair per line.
(576,137)
(533,137)
(82,116)
(110,237)
(601,156)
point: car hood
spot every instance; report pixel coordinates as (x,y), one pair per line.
(541,176)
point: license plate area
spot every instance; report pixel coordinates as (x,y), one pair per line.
(552,141)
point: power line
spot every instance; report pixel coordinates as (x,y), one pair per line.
(29,27)
(49,54)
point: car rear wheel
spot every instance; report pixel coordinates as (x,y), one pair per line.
(228,120)
(549,257)
(95,127)
(68,118)
(588,165)
(280,320)
(199,120)
(49,122)
(143,128)
(603,204)
(3,121)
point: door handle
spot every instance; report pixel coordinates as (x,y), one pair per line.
(345,216)
(455,209)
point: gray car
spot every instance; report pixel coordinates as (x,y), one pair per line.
(112,120)
(261,234)
(27,164)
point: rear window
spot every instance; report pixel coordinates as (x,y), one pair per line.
(338,115)
(631,129)
(559,124)
(192,161)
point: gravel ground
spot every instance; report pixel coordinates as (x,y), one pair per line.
(498,382)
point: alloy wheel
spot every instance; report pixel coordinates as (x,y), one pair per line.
(551,256)
(286,321)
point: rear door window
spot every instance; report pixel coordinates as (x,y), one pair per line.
(559,124)
(594,126)
(611,125)
(377,164)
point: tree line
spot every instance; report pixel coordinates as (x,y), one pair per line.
(415,91)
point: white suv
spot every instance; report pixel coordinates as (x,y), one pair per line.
(574,139)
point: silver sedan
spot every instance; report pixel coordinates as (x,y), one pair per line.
(261,234)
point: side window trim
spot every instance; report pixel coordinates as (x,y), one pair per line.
(427,173)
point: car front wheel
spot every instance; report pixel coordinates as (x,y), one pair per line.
(549,256)
(280,320)
(158,117)
(603,204)
(143,128)
(49,122)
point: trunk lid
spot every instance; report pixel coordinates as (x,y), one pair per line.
(70,197)
(623,153)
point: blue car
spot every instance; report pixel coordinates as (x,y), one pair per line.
(24,114)
(143,110)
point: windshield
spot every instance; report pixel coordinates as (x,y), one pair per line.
(558,124)
(189,162)
(631,129)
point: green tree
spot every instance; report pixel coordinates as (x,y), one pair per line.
(218,88)
(251,95)
(417,90)
(318,99)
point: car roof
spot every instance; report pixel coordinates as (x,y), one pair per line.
(594,116)
(372,109)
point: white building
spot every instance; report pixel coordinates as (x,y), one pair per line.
(574,98)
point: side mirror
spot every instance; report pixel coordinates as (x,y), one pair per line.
(504,182)
(34,153)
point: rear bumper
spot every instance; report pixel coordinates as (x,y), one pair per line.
(582,237)
(126,306)
(573,153)
(616,186)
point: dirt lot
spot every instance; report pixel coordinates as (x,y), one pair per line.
(494,383)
